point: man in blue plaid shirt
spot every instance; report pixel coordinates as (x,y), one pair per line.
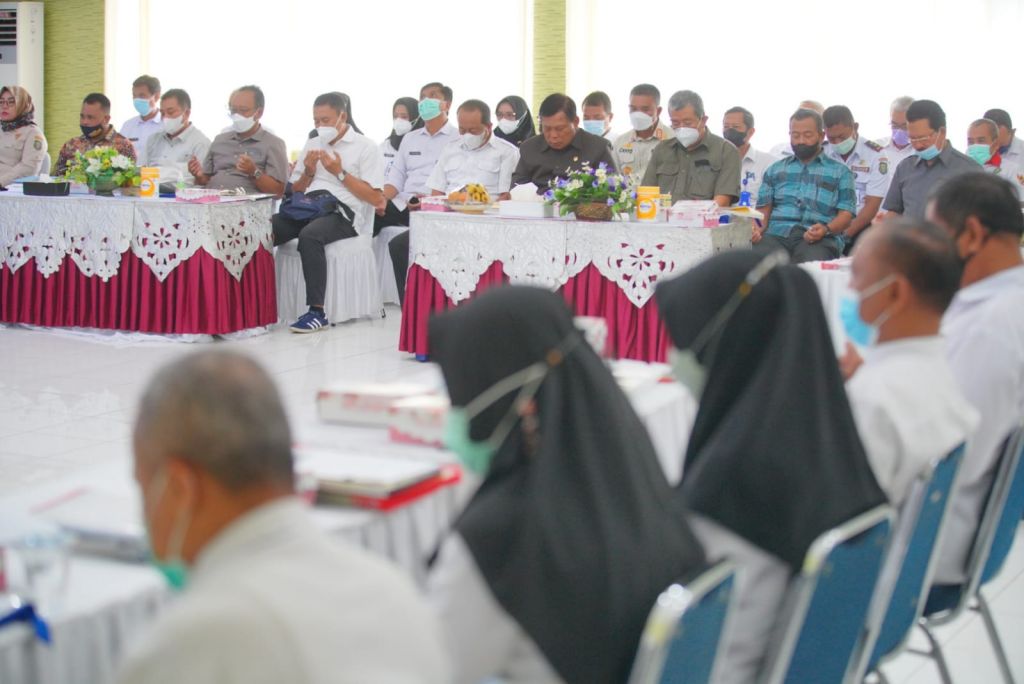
(808,200)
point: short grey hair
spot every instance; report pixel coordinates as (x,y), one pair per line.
(993,127)
(686,98)
(221,411)
(901,104)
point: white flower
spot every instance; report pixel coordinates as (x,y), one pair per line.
(94,166)
(121,162)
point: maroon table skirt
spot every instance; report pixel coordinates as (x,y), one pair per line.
(633,333)
(198,297)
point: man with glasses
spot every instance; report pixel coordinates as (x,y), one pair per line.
(248,156)
(936,161)
(897,147)
(738,128)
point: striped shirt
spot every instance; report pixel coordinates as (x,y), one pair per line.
(804,194)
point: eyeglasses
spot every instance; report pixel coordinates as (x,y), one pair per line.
(8,103)
(922,138)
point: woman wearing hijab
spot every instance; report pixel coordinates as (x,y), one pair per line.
(550,572)
(515,123)
(22,143)
(406,117)
(774,458)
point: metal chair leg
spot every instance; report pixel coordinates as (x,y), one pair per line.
(936,655)
(993,636)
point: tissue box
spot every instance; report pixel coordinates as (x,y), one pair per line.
(418,420)
(434,203)
(694,214)
(517,208)
(364,404)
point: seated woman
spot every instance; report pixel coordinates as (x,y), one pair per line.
(774,458)
(406,115)
(550,572)
(514,121)
(22,143)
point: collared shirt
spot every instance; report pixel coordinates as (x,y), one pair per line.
(870,169)
(271,598)
(909,410)
(539,162)
(633,153)
(1011,171)
(752,168)
(490,165)
(172,155)
(138,131)
(984,329)
(22,152)
(417,154)
(359,157)
(804,194)
(1016,151)
(388,153)
(712,168)
(893,154)
(914,180)
(83,144)
(266,150)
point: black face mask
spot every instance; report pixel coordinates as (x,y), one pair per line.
(87,131)
(735,137)
(806,152)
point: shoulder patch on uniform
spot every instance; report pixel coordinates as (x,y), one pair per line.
(872,145)
(37,144)
(883,166)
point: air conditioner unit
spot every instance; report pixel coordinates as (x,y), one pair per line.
(21,49)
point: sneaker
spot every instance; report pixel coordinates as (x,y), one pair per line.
(309,322)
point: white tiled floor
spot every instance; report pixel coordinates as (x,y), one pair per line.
(66,402)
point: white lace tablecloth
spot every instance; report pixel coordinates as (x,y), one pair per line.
(96,231)
(457,249)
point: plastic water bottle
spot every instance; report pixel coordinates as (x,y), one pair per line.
(744,194)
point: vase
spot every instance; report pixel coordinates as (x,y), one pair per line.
(103,184)
(593,211)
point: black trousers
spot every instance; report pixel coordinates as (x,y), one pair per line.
(799,249)
(399,245)
(314,236)
(392,217)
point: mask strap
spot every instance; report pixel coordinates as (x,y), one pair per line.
(180,529)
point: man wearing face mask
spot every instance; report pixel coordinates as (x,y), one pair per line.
(597,114)
(935,161)
(633,149)
(908,407)
(738,128)
(94,121)
(897,147)
(179,140)
(865,159)
(478,156)
(1010,146)
(248,156)
(983,147)
(138,129)
(786,149)
(984,331)
(696,164)
(808,199)
(266,595)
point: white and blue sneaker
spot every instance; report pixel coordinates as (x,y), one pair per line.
(309,322)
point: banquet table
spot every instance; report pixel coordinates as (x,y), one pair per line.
(147,265)
(607,269)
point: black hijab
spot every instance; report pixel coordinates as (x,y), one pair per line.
(525,129)
(412,107)
(577,537)
(774,454)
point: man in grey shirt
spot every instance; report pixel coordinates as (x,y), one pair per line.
(563,145)
(248,156)
(935,162)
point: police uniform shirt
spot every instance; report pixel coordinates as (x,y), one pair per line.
(870,169)
(22,152)
(266,150)
(417,154)
(1009,170)
(491,165)
(894,154)
(172,155)
(633,153)
(711,168)
(752,169)
(138,131)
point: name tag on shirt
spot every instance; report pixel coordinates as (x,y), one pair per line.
(415,154)
(860,169)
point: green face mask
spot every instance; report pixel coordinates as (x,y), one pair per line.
(474,455)
(173,569)
(688,370)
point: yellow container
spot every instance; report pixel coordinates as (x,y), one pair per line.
(149,181)
(647,199)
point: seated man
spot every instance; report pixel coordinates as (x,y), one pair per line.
(94,121)
(785,149)
(897,147)
(171,149)
(562,146)
(738,128)
(633,149)
(346,164)
(864,158)
(695,164)
(477,157)
(267,596)
(984,331)
(983,147)
(249,156)
(139,129)
(907,405)
(808,199)
(597,113)
(1010,146)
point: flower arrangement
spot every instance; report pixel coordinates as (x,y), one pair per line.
(103,168)
(592,193)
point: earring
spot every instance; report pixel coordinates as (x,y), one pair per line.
(530,426)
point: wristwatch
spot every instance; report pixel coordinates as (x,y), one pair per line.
(342,175)
(256,174)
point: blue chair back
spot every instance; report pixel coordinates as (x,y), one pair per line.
(680,641)
(1009,518)
(828,602)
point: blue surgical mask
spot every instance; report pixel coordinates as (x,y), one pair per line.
(142,106)
(430,109)
(928,153)
(845,147)
(859,331)
(173,568)
(595,126)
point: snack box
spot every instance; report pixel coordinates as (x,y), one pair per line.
(418,420)
(521,209)
(364,404)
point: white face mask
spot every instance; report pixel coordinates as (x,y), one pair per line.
(473,142)
(507,126)
(687,136)
(171,126)
(640,121)
(402,126)
(241,124)
(326,134)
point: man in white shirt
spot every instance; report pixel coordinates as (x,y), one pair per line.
(633,149)
(477,157)
(597,114)
(897,147)
(145,96)
(738,128)
(266,596)
(339,164)
(1010,146)
(984,329)
(407,182)
(179,141)
(865,159)
(907,405)
(983,147)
